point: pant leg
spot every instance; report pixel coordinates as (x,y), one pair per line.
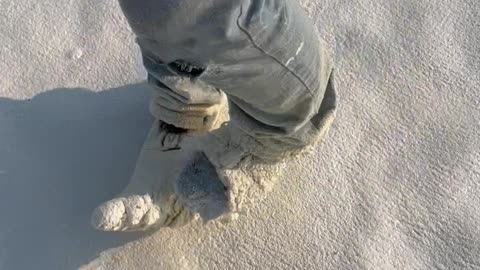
(264,54)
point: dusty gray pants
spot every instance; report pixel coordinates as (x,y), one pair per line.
(264,54)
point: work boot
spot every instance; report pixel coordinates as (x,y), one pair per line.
(149,201)
(222,179)
(214,176)
(248,167)
(178,177)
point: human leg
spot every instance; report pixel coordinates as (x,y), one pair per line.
(266,57)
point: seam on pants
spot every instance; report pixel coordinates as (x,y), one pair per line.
(250,38)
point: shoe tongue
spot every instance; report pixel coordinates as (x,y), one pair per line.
(200,188)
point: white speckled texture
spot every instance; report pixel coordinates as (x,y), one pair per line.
(395,186)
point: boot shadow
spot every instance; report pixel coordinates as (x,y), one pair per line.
(61,154)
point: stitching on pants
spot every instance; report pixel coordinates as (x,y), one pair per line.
(245,31)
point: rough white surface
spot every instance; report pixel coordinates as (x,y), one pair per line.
(396,185)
